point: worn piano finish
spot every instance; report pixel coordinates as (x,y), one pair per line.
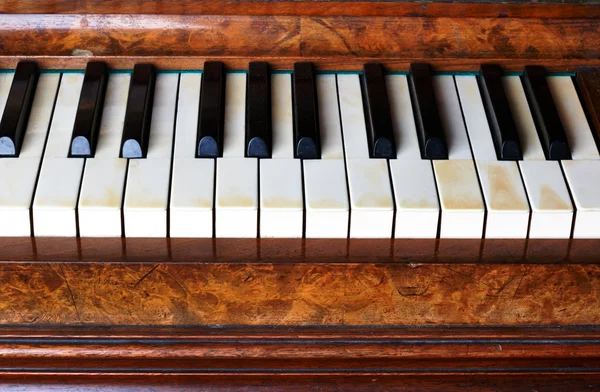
(223,314)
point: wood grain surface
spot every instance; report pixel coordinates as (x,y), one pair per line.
(342,43)
(288,295)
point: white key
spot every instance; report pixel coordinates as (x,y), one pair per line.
(147,190)
(236,196)
(463,210)
(18,175)
(578,132)
(417,205)
(101,196)
(192,186)
(281,200)
(372,207)
(5,83)
(325,187)
(58,185)
(234,131)
(552,211)
(371,203)
(326,196)
(582,177)
(581,172)
(505,197)
(551,207)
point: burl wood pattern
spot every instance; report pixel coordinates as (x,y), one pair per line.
(332,42)
(294,295)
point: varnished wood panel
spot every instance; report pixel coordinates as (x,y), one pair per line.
(299,294)
(186,41)
(520,9)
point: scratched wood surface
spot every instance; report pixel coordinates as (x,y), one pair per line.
(299,294)
(332,42)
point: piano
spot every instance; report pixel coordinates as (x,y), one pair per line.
(293,195)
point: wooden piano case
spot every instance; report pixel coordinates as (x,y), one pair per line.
(204,314)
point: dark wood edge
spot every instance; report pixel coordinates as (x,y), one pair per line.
(230,350)
(588,83)
(299,334)
(296,251)
(177,63)
(307,8)
(426,381)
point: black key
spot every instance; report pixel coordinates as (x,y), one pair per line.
(136,129)
(258,111)
(17,108)
(212,111)
(429,124)
(546,118)
(89,111)
(377,110)
(502,124)
(307,142)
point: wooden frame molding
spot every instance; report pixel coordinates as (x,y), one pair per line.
(465,9)
(296,358)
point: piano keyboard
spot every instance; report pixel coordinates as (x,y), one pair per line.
(300,154)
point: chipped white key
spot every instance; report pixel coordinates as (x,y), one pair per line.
(417,205)
(236,196)
(192,185)
(582,171)
(504,194)
(147,189)
(371,202)
(19,175)
(281,199)
(101,196)
(325,187)
(54,206)
(551,207)
(463,210)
